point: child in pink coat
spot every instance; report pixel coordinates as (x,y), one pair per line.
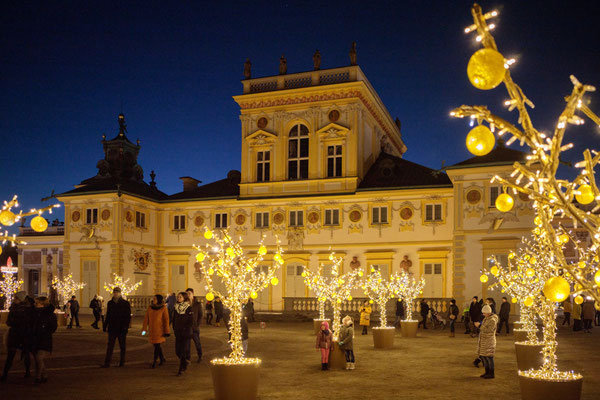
(324,344)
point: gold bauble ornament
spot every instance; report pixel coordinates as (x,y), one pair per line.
(511,255)
(597,278)
(39,224)
(253,295)
(483,278)
(528,302)
(514,300)
(230,252)
(360,273)
(208,234)
(370,301)
(480,140)
(211,271)
(530,272)
(586,195)
(504,202)
(486,69)
(494,270)
(349,298)
(274,281)
(7,217)
(581,264)
(200,257)
(557,289)
(210,296)
(220,262)
(262,250)
(537,220)
(563,238)
(578,300)
(303,274)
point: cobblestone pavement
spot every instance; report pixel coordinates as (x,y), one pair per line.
(432,366)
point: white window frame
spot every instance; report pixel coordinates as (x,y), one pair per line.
(379,220)
(91,216)
(221,220)
(332,217)
(295,216)
(179,222)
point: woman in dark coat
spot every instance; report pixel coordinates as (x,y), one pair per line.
(183,327)
(20,321)
(44,325)
(218,305)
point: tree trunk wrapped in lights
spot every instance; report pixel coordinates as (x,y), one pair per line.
(66,287)
(380,291)
(318,283)
(126,287)
(242,279)
(410,288)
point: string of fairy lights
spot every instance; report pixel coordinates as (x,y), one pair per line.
(242,278)
(9,286)
(553,198)
(380,290)
(410,289)
(9,218)
(127,287)
(66,287)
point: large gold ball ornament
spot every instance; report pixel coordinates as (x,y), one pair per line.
(537,220)
(262,250)
(514,300)
(210,296)
(208,234)
(581,264)
(360,273)
(200,257)
(303,274)
(211,271)
(39,224)
(220,262)
(557,289)
(563,238)
(483,278)
(578,300)
(586,195)
(274,281)
(528,302)
(230,252)
(480,140)
(530,272)
(486,69)
(494,271)
(7,217)
(253,295)
(349,298)
(597,278)
(504,202)
(511,255)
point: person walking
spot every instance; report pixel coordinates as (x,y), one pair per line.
(19,335)
(324,344)
(475,315)
(44,326)
(248,310)
(466,317)
(453,315)
(171,300)
(400,311)
(197,310)
(118,318)
(567,309)
(218,305)
(96,310)
(424,313)
(156,325)
(588,312)
(486,346)
(183,327)
(209,312)
(101,308)
(576,317)
(365,316)
(504,314)
(74,312)
(346,341)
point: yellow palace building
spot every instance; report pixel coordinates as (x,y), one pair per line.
(322,168)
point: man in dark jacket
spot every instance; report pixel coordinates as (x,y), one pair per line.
(475,314)
(74,308)
(197,310)
(424,313)
(504,314)
(453,315)
(20,323)
(118,317)
(44,326)
(400,311)
(97,310)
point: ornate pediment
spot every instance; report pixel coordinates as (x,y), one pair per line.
(333,131)
(261,138)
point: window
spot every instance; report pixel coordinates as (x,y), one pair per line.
(433,212)
(91,216)
(334,161)
(179,223)
(494,193)
(221,220)
(263,166)
(298,152)
(332,217)
(296,218)
(261,220)
(379,215)
(140,219)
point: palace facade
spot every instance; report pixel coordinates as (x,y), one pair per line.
(322,167)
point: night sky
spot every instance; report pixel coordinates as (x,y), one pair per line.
(68,67)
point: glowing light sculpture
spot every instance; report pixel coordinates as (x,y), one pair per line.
(66,287)
(410,288)
(126,287)
(380,290)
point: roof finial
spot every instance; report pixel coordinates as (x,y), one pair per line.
(282,65)
(317,60)
(247,69)
(152,176)
(122,125)
(352,54)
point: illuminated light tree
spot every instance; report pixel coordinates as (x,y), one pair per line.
(380,291)
(66,287)
(319,284)
(8,218)
(126,287)
(410,288)
(10,285)
(242,279)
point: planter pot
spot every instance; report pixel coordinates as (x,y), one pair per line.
(3,317)
(61,318)
(337,359)
(537,389)
(409,328)
(317,324)
(521,335)
(235,381)
(383,338)
(529,356)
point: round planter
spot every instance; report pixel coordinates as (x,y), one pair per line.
(537,389)
(317,324)
(235,381)
(3,316)
(409,328)
(61,318)
(337,359)
(529,356)
(521,335)
(383,338)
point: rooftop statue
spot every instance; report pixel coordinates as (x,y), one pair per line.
(317,60)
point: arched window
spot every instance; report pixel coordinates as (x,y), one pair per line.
(298,152)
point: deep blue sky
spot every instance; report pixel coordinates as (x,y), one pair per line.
(67,65)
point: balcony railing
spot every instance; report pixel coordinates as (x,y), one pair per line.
(50,231)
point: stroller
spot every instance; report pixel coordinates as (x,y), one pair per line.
(437,319)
